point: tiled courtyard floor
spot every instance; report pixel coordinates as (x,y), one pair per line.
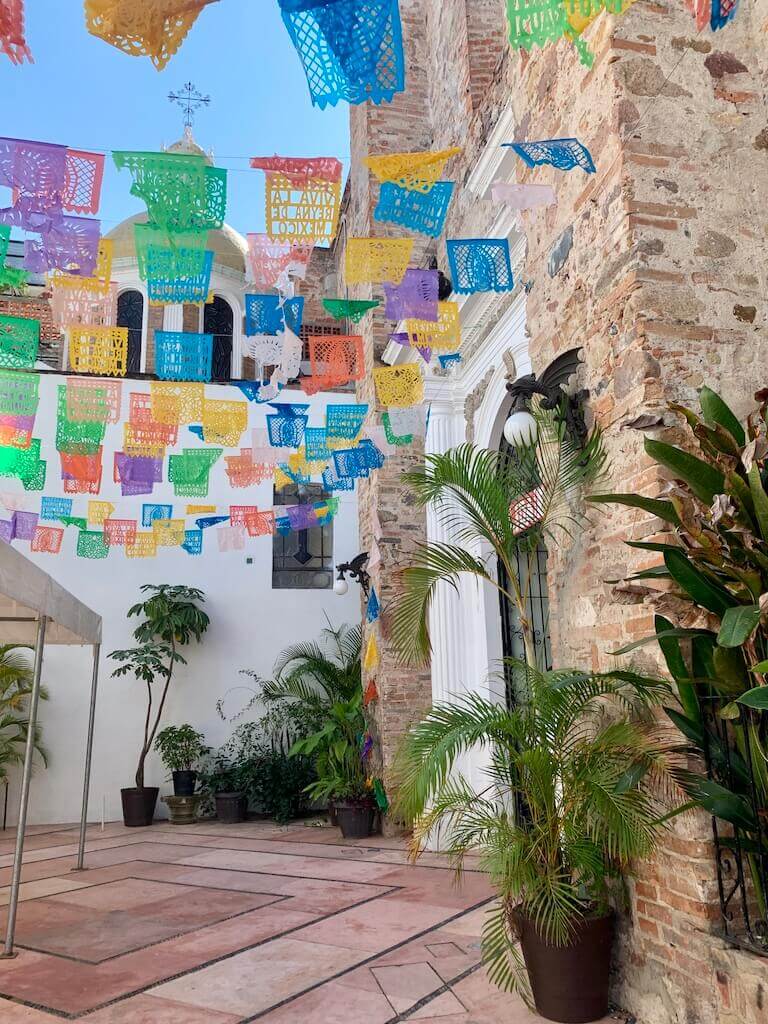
(214,924)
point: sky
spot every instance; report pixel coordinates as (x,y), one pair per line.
(85,94)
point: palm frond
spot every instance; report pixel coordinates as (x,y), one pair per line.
(437,563)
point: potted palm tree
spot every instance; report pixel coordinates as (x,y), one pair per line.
(571,796)
(339,752)
(171,619)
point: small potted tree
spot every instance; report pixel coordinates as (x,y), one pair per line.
(180,748)
(171,619)
(340,764)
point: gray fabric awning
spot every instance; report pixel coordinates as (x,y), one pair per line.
(27,592)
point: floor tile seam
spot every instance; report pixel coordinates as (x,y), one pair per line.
(84,1014)
(446,987)
(150,945)
(364,963)
(128,878)
(378,849)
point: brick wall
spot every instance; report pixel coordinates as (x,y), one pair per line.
(36,308)
(401,125)
(664,289)
(155,317)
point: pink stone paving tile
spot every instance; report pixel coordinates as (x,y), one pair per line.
(41,887)
(124,895)
(97,932)
(15,1013)
(281,864)
(146,1009)
(444,1005)
(376,926)
(259,979)
(334,1004)
(487,1005)
(407,984)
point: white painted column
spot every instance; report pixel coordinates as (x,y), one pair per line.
(446,431)
(173,318)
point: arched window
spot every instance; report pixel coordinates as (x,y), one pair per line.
(130,314)
(218,320)
(531,571)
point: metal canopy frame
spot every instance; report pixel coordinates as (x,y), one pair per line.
(35,610)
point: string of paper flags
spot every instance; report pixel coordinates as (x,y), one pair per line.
(186,199)
(350,50)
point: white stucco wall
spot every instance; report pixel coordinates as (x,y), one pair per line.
(250,622)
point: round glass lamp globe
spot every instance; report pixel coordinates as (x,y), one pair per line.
(520,429)
(340,587)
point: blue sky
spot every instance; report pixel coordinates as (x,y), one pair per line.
(84,93)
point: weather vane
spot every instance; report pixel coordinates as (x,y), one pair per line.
(189,99)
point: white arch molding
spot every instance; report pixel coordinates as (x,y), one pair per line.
(466,626)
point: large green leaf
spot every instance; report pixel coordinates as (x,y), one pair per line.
(760,500)
(673,655)
(730,670)
(715,411)
(738,625)
(703,479)
(719,801)
(756,698)
(663,509)
(699,587)
(677,632)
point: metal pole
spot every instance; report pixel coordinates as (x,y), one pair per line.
(24,798)
(88,758)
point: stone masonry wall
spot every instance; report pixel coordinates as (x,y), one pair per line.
(401,125)
(663,287)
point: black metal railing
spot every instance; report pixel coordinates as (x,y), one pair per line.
(734,754)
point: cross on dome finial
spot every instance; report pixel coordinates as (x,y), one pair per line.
(190,100)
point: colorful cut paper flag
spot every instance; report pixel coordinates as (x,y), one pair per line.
(564,154)
(377,260)
(523,197)
(418,172)
(480,265)
(351,49)
(143,28)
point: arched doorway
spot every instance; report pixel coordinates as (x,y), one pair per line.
(130,314)
(531,571)
(218,320)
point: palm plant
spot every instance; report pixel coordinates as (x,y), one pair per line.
(581,754)
(496,506)
(15,692)
(309,679)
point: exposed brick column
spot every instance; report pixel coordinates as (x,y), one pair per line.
(391,127)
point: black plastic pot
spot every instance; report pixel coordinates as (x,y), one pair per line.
(355,819)
(332,817)
(569,983)
(184,783)
(139,805)
(231,808)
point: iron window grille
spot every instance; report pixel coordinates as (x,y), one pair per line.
(302,559)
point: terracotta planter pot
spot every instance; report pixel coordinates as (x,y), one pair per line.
(355,819)
(139,806)
(182,809)
(231,808)
(569,983)
(184,783)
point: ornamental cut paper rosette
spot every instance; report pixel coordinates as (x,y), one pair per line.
(350,49)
